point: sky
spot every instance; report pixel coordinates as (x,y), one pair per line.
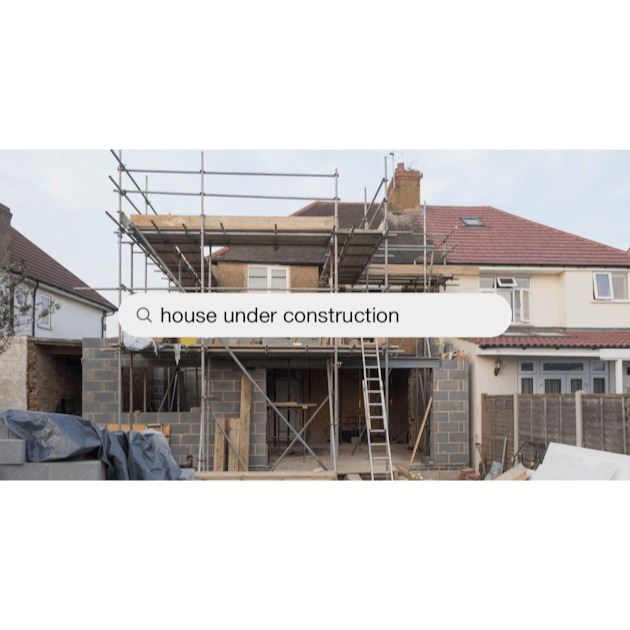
(59,198)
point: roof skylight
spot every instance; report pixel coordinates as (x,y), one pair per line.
(471,221)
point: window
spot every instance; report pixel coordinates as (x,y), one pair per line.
(515,290)
(553,386)
(44,313)
(527,385)
(610,285)
(268,278)
(471,221)
(563,367)
(576,385)
(599,386)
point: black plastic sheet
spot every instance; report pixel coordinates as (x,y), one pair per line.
(131,455)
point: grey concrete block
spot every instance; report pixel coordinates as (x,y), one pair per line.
(458,416)
(88,470)
(447,385)
(105,397)
(458,437)
(440,375)
(446,427)
(93,386)
(180,429)
(443,447)
(26,472)
(454,395)
(450,364)
(12,452)
(458,375)
(442,396)
(446,405)
(192,440)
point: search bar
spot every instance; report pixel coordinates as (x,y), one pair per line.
(284,315)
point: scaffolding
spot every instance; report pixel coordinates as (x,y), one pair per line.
(180,249)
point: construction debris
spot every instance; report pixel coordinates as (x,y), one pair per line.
(517,473)
(563,461)
(468,474)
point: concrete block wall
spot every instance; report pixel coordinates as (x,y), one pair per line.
(100,401)
(450,418)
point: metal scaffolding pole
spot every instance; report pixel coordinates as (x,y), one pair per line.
(119,353)
(203,458)
(385,288)
(334,439)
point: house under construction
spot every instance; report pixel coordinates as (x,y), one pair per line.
(296,405)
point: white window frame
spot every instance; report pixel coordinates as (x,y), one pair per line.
(611,298)
(44,322)
(269,269)
(586,375)
(508,283)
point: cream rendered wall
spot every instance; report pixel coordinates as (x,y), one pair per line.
(583,311)
(73,319)
(466,283)
(548,299)
(13,375)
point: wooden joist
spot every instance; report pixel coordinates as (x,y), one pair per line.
(233,224)
(324,475)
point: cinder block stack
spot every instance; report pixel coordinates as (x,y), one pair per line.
(13,464)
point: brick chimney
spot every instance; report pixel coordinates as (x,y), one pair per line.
(5,233)
(404,190)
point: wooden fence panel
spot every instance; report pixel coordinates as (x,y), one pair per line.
(497,423)
(545,418)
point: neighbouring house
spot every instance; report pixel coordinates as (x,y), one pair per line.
(570,326)
(41,368)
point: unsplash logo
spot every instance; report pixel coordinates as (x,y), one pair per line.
(101,101)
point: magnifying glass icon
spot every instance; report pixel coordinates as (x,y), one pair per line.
(143,318)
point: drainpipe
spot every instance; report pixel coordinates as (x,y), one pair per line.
(34,296)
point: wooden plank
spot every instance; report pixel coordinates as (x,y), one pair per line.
(324,475)
(426,415)
(234,223)
(219,447)
(246,416)
(517,473)
(125,427)
(353,477)
(234,433)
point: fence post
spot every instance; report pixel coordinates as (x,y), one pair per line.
(579,421)
(516,410)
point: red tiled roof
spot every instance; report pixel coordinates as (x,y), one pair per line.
(40,266)
(507,239)
(569,339)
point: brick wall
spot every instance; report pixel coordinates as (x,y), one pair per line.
(100,400)
(54,380)
(450,418)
